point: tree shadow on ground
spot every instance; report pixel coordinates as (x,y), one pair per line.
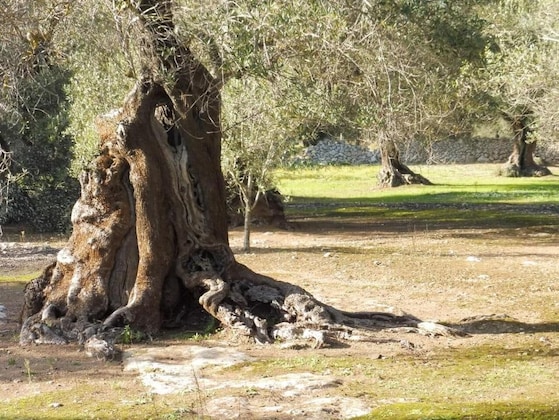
(338,217)
(501,324)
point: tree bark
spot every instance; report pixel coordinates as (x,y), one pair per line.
(521,161)
(248,201)
(150,245)
(393,172)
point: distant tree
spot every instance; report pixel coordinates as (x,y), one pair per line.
(255,140)
(383,72)
(522,76)
(34,115)
(428,46)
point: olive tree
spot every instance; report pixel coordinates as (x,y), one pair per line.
(414,61)
(150,244)
(522,77)
(33,114)
(256,137)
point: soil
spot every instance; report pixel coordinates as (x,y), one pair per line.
(500,285)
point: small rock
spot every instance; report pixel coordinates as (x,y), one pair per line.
(96,347)
(407,344)
(56,405)
(545,340)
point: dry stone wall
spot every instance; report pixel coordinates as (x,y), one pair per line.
(333,152)
(474,150)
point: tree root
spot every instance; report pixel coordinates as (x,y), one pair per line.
(253,305)
(512,170)
(269,310)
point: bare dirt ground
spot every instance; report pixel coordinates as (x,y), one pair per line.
(500,285)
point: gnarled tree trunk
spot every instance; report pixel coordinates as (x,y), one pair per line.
(149,242)
(393,172)
(521,161)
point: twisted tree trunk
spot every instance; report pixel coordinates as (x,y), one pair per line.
(393,173)
(521,161)
(150,242)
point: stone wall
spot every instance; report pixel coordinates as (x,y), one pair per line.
(475,150)
(333,152)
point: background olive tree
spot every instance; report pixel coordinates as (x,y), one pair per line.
(521,77)
(255,139)
(34,114)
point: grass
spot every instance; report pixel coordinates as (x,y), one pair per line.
(479,411)
(452,184)
(486,382)
(19,277)
(88,402)
(462,196)
(462,384)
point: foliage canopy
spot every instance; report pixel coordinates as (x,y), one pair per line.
(374,71)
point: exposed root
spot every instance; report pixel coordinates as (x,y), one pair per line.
(394,177)
(251,304)
(217,290)
(35,331)
(119,317)
(268,310)
(513,170)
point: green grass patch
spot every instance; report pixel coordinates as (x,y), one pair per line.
(479,411)
(463,196)
(486,381)
(87,402)
(452,184)
(19,277)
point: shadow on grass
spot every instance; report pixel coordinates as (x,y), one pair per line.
(372,215)
(540,193)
